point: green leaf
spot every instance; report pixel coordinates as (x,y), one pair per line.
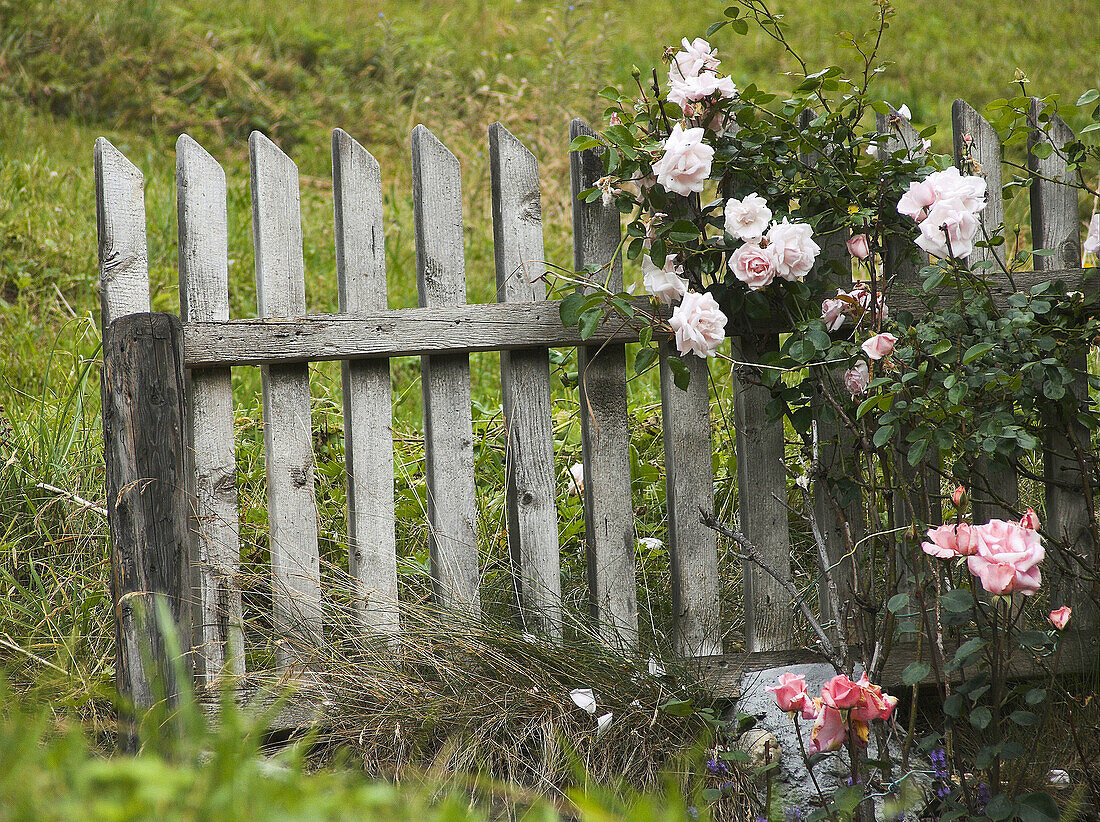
(953,705)
(678,707)
(583,141)
(898,602)
(957,601)
(1088,97)
(570,309)
(941,348)
(713,27)
(968,649)
(1037,807)
(916,451)
(847,799)
(975,351)
(883,435)
(683,231)
(1035,696)
(1023,718)
(588,321)
(644,359)
(914,672)
(645,335)
(981,717)
(999,807)
(680,374)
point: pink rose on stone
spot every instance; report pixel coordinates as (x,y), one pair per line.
(753,265)
(1007,559)
(790,693)
(841,693)
(879,346)
(747,219)
(829,731)
(685,165)
(699,324)
(793,249)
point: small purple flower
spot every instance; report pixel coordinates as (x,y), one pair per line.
(793,815)
(693,811)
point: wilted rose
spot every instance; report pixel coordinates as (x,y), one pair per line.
(856,378)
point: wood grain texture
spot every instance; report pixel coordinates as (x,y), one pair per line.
(605,436)
(458,329)
(1055,225)
(994,489)
(368,410)
(762,501)
(120,222)
(689,486)
(525,385)
(917,495)
(148,474)
(445,379)
(204,297)
(288,441)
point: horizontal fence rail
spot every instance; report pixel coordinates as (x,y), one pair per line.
(444,330)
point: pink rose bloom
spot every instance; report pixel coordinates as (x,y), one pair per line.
(1007,558)
(950,541)
(790,693)
(699,324)
(665,284)
(1060,618)
(961,226)
(841,693)
(753,265)
(949,184)
(693,58)
(879,346)
(747,219)
(958,497)
(685,90)
(862,295)
(875,704)
(858,246)
(685,165)
(793,248)
(1092,241)
(917,200)
(832,312)
(1030,520)
(856,378)
(829,731)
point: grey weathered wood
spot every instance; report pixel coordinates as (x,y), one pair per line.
(689,486)
(762,506)
(288,442)
(120,220)
(368,412)
(445,379)
(204,297)
(1055,225)
(605,436)
(916,488)
(149,502)
(530,487)
(461,329)
(994,489)
(841,525)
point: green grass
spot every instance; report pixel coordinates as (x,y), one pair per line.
(142,73)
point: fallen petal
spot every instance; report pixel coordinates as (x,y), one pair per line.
(584,699)
(603,722)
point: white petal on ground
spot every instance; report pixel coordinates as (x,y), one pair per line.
(656,668)
(603,722)
(584,699)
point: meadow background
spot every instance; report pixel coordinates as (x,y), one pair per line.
(141,73)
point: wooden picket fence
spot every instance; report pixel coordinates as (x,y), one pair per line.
(168,409)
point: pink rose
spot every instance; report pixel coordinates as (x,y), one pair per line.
(1059,618)
(858,246)
(665,284)
(829,731)
(1007,558)
(1092,241)
(958,497)
(950,541)
(879,346)
(693,58)
(685,164)
(576,477)
(862,295)
(841,693)
(790,693)
(949,184)
(753,265)
(793,249)
(832,312)
(683,91)
(959,223)
(747,219)
(917,200)
(856,378)
(699,324)
(1030,520)
(875,703)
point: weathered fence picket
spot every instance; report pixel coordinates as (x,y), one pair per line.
(605,437)
(368,413)
(169,416)
(204,297)
(288,438)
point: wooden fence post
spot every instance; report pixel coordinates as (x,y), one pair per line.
(149,501)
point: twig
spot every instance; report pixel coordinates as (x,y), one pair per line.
(83,503)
